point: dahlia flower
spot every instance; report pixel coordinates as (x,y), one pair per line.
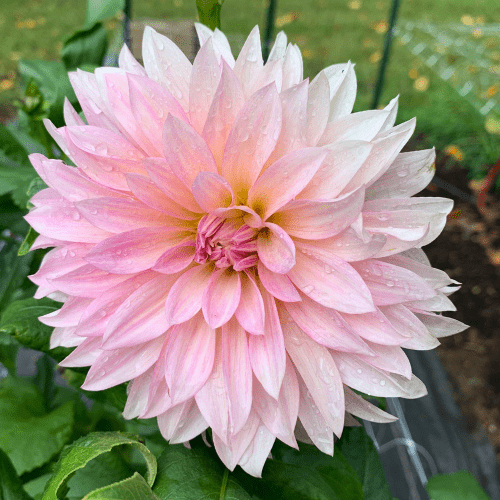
(239,246)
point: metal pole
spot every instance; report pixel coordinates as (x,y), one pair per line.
(271,11)
(385,58)
(127,14)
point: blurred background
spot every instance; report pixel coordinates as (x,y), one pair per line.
(445,65)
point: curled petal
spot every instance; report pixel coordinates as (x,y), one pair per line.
(276,249)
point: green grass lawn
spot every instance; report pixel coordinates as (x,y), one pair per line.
(327,31)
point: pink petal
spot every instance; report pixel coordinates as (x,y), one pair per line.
(285,179)
(151,103)
(164,178)
(65,336)
(375,327)
(98,314)
(127,62)
(166,64)
(294,116)
(292,67)
(141,316)
(227,103)
(221,297)
(137,398)
(118,366)
(64,223)
(441,326)
(318,108)
(150,194)
(359,375)
(221,45)
(404,320)
(204,82)
(276,249)
(272,72)
(342,81)
(69,314)
(319,219)
(71,184)
(134,251)
(267,352)
(258,125)
(84,355)
(335,284)
(362,126)
(185,297)
(279,47)
(408,175)
(320,375)
(253,459)
(249,60)
(278,285)
(213,399)
(390,284)
(231,454)
(384,152)
(250,312)
(182,422)
(325,326)
(237,374)
(347,245)
(118,215)
(212,191)
(71,117)
(280,416)
(176,259)
(390,358)
(340,165)
(392,107)
(358,406)
(189,358)
(187,154)
(87,281)
(313,421)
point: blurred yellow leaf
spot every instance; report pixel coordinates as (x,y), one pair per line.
(381,27)
(375,57)
(477,33)
(492,125)
(467,20)
(6,85)
(354,4)
(307,53)
(492,90)
(413,73)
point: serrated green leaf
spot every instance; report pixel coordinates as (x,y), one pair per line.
(460,485)
(335,471)
(195,474)
(360,452)
(101,10)
(133,488)
(85,47)
(11,487)
(29,435)
(82,451)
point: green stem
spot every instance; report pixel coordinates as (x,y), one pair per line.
(223,487)
(271,9)
(385,58)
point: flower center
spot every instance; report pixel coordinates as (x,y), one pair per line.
(227,242)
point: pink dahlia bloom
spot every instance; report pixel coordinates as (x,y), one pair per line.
(239,245)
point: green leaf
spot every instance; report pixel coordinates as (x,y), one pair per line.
(335,471)
(8,353)
(35,487)
(29,435)
(361,453)
(195,474)
(82,451)
(101,10)
(209,12)
(11,487)
(102,471)
(16,171)
(27,242)
(53,82)
(458,486)
(14,271)
(133,488)
(85,47)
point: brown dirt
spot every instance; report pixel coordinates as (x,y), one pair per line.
(469,251)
